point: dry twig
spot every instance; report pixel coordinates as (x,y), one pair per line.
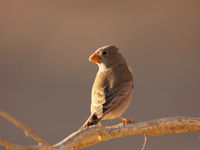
(145,142)
(93,135)
(18,124)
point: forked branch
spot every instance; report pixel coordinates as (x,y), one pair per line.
(93,135)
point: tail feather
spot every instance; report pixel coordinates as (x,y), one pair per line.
(92,120)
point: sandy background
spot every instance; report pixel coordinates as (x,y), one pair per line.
(46,78)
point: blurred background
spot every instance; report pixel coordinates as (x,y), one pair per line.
(46,78)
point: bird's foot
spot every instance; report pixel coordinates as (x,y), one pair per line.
(126,121)
(100,124)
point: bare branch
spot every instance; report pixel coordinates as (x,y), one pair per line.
(94,134)
(18,124)
(7,144)
(10,146)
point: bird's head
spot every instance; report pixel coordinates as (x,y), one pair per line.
(107,56)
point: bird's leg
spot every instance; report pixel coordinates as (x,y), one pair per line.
(100,124)
(126,121)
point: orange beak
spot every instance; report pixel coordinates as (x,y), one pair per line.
(94,58)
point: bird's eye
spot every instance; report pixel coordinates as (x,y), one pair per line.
(104,53)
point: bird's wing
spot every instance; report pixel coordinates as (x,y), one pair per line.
(105,100)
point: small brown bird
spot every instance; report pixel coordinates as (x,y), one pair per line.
(113,87)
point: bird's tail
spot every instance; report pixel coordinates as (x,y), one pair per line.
(92,120)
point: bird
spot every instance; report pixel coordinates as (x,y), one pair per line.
(113,86)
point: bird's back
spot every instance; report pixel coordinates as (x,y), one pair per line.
(107,84)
